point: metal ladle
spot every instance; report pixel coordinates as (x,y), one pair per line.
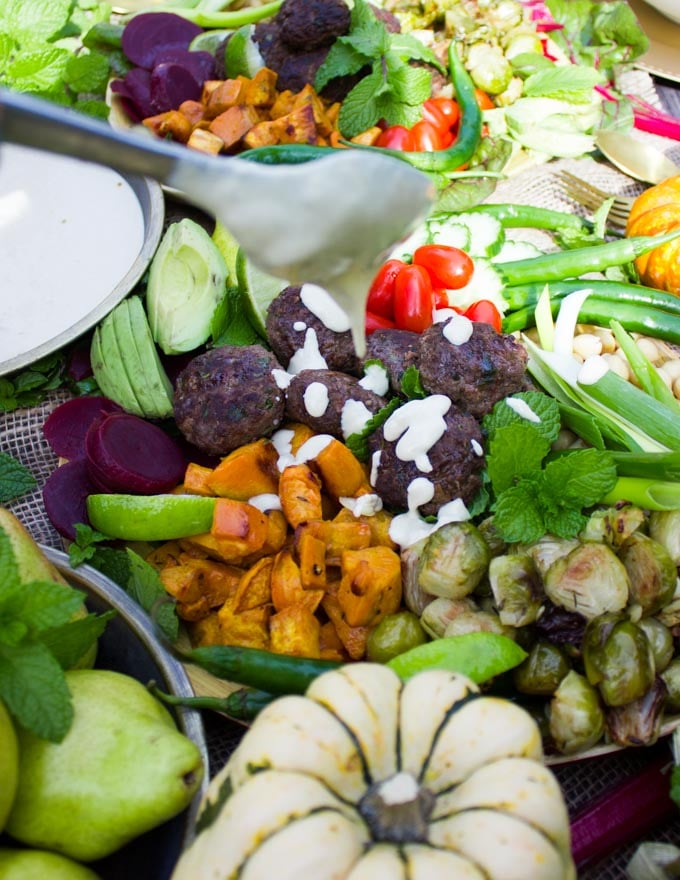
(635,158)
(329,221)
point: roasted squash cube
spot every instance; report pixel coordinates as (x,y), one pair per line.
(248,471)
(254,588)
(342,474)
(248,628)
(353,638)
(370,587)
(233,124)
(205,142)
(312,559)
(295,630)
(300,494)
(261,90)
(239,523)
(196,479)
(286,584)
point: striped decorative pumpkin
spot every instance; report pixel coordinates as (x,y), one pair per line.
(370,778)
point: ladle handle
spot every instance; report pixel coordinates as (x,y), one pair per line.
(34,122)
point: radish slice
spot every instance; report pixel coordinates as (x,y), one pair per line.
(65,494)
(66,426)
(127,454)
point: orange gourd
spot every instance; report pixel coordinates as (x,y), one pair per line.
(655,211)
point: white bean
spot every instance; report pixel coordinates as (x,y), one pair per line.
(609,343)
(587,344)
(617,365)
(666,377)
(671,367)
(649,348)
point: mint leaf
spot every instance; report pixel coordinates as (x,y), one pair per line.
(545,408)
(411,384)
(360,110)
(517,514)
(408,47)
(15,479)
(39,71)
(146,588)
(9,570)
(70,642)
(44,604)
(564,522)
(34,689)
(85,544)
(342,60)
(582,477)
(87,72)
(408,85)
(358,443)
(515,451)
(33,23)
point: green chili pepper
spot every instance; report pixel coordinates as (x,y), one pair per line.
(242,705)
(274,673)
(527,295)
(529,217)
(286,154)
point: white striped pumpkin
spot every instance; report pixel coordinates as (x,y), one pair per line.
(370,778)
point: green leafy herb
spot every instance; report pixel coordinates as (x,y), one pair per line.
(38,638)
(392,89)
(534,495)
(358,443)
(15,479)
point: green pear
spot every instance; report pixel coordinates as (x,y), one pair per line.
(122,769)
(33,565)
(9,765)
(31,864)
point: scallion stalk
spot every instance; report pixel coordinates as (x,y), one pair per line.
(644,370)
(648,494)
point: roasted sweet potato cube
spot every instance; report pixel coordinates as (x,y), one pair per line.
(239,521)
(193,611)
(182,582)
(248,628)
(378,523)
(300,494)
(193,110)
(312,559)
(295,630)
(221,550)
(254,588)
(205,631)
(247,471)
(232,125)
(166,554)
(330,644)
(283,104)
(172,124)
(286,584)
(342,474)
(368,137)
(205,142)
(196,479)
(307,95)
(353,638)
(370,587)
(299,126)
(225,95)
(261,90)
(264,134)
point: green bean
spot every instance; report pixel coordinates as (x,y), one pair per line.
(274,673)
(525,295)
(285,154)
(530,217)
(580,261)
(242,705)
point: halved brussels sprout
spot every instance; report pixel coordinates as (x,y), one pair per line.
(576,715)
(590,579)
(651,572)
(618,659)
(517,588)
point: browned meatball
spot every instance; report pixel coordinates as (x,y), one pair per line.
(476,374)
(318,398)
(396,350)
(455,459)
(291,326)
(228,397)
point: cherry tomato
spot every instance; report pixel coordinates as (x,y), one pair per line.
(483,100)
(485,312)
(442,108)
(440,298)
(375,322)
(413,300)
(433,114)
(381,292)
(426,137)
(397,137)
(447,266)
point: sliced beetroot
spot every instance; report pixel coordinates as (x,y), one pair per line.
(129,455)
(66,426)
(171,84)
(201,65)
(135,89)
(149,33)
(65,497)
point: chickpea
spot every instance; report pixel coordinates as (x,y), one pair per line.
(586,345)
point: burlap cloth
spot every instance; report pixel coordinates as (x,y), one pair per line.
(21,436)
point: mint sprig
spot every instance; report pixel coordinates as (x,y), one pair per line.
(38,639)
(393,89)
(534,494)
(15,479)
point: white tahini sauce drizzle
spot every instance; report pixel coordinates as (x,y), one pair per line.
(408,528)
(353,418)
(282,379)
(308,357)
(266,501)
(522,409)
(58,259)
(322,305)
(476,447)
(458,329)
(417,425)
(312,447)
(375,379)
(364,505)
(316,399)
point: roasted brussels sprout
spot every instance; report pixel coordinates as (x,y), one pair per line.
(664,527)
(618,659)
(542,671)
(477,621)
(671,678)
(661,640)
(517,588)
(440,612)
(450,562)
(638,723)
(651,572)
(493,538)
(591,580)
(394,634)
(547,550)
(612,525)
(562,627)
(576,715)
(670,613)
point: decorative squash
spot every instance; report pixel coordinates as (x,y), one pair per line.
(655,211)
(369,777)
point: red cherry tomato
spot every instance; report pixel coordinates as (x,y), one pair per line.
(483,100)
(426,137)
(397,137)
(485,312)
(441,298)
(377,322)
(381,292)
(433,114)
(447,107)
(448,266)
(413,300)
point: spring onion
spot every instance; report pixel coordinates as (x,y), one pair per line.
(645,493)
(643,369)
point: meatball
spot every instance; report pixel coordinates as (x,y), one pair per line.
(310,24)
(452,463)
(228,397)
(475,374)
(293,329)
(330,402)
(396,350)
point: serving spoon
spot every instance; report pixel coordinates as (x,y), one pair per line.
(329,221)
(635,158)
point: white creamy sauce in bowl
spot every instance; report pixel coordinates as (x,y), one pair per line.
(69,233)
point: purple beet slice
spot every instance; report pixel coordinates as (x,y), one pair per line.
(135,89)
(65,497)
(129,455)
(148,34)
(66,426)
(201,65)
(171,84)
